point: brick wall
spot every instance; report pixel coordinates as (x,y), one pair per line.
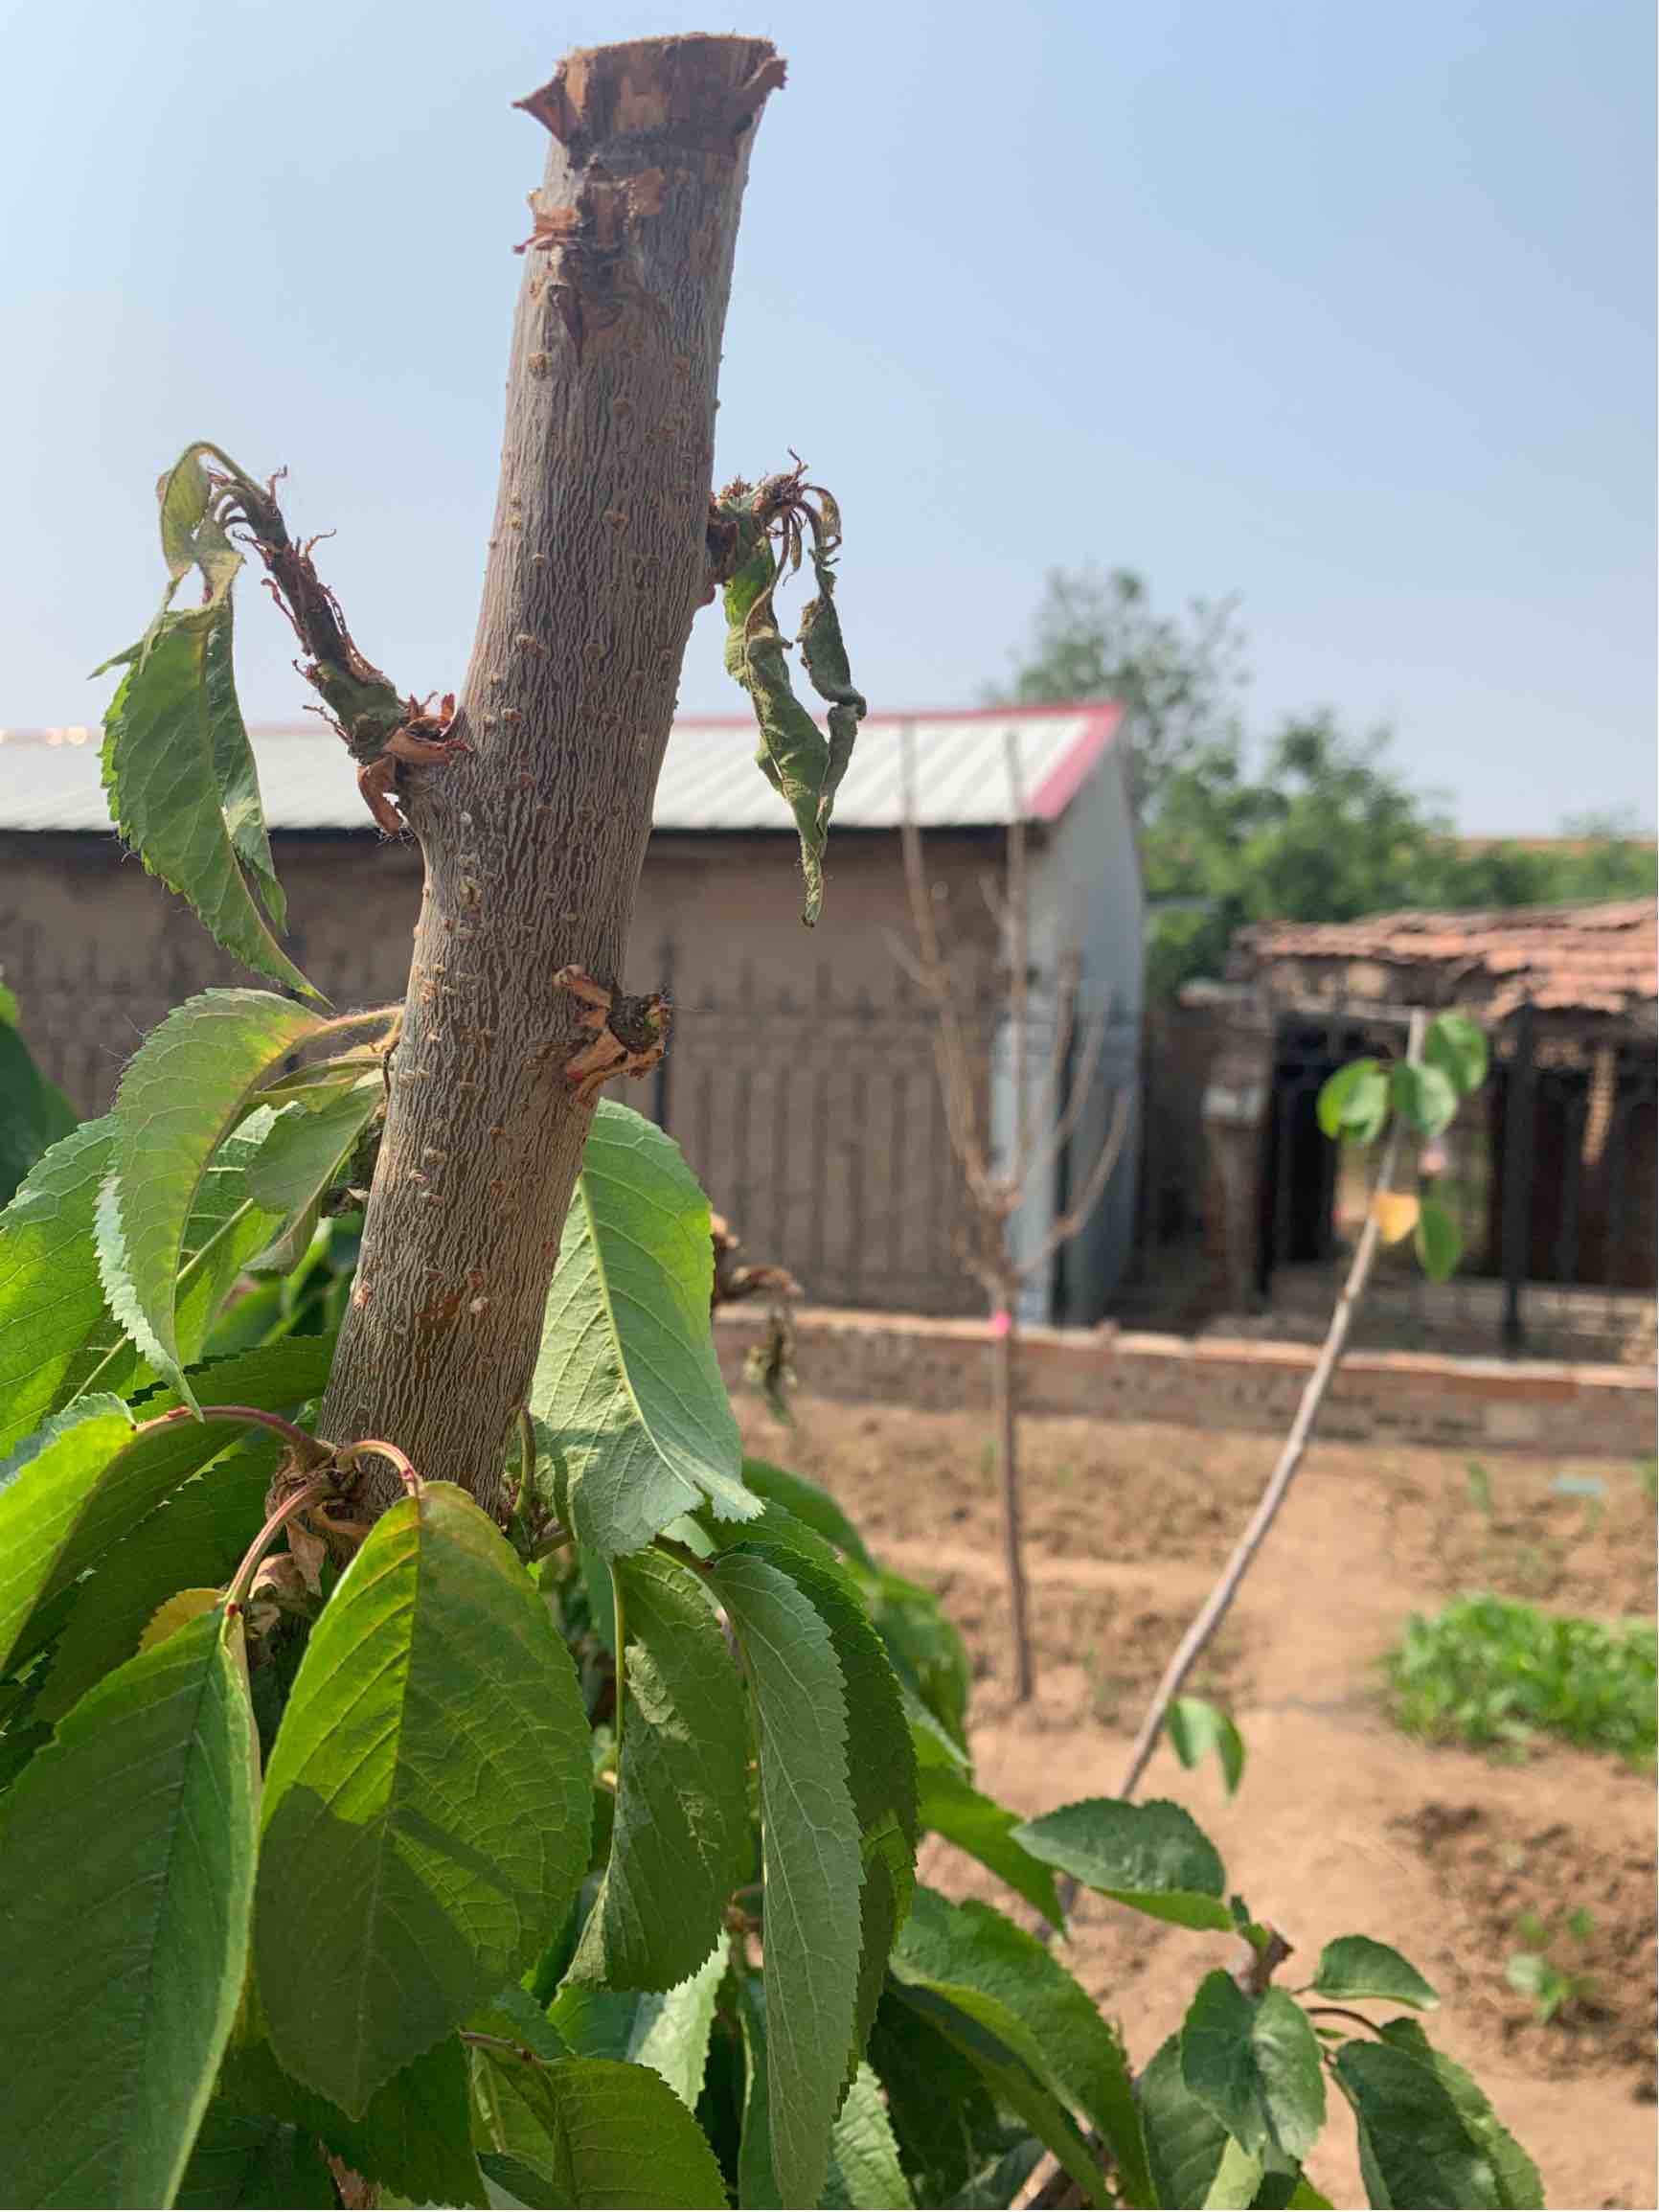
(1212,1382)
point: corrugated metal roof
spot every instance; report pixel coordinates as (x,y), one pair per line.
(49,779)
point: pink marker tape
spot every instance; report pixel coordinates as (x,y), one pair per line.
(1002,1323)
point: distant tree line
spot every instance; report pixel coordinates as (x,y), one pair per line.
(1314,825)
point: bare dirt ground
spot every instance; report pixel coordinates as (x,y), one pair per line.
(1341,1825)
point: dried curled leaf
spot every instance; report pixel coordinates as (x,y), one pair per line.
(800,763)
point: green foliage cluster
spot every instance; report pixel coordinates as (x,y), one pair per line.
(1497,1674)
(1358,1103)
(1328,831)
(573,1864)
(1313,826)
(564,1856)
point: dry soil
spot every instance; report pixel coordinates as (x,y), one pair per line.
(1341,1825)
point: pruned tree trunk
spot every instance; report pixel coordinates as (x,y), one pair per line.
(532,840)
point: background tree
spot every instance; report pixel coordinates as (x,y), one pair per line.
(1096,636)
(1324,829)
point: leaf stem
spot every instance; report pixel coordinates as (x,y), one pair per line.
(311,1450)
(526,1463)
(312,1493)
(1342,2013)
(406,1474)
(354,1020)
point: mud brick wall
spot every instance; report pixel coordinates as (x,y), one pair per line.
(1214,1383)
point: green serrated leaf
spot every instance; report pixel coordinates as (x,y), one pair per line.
(35,1114)
(183,788)
(1425,1097)
(628,1375)
(1255,2062)
(811,1503)
(951,1807)
(1011,2062)
(680,1840)
(427,1804)
(191,536)
(1348,1092)
(224,1234)
(415,2136)
(193,1538)
(1439,1242)
(865,2174)
(1187,2147)
(124,1942)
(515,2015)
(1427,2134)
(1458,1047)
(303,1155)
(49,1496)
(1154,1858)
(813,1875)
(947,2128)
(976,1946)
(247,2159)
(864,2171)
(54,1326)
(1354,1965)
(666,2029)
(88,1477)
(1196,1727)
(933,1742)
(180,1096)
(925,1644)
(881,1763)
(595,2131)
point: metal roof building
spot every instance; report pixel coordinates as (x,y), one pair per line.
(49,779)
(800,1082)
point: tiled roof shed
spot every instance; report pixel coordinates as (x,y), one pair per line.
(1599,960)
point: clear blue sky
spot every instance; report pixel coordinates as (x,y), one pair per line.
(1348,310)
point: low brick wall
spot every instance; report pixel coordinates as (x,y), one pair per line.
(1219,1382)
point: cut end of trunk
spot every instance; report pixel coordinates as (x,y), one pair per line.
(659,88)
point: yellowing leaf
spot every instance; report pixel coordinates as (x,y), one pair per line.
(182,1606)
(1394,1213)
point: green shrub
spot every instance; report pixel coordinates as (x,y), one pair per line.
(1491,1673)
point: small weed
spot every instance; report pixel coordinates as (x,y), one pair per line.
(1496,1674)
(1648,1476)
(1535,1974)
(1480,1486)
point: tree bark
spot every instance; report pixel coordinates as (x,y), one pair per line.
(532,840)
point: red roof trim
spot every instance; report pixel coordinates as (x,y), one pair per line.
(1109,712)
(1073,769)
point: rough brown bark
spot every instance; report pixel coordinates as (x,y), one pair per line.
(532,840)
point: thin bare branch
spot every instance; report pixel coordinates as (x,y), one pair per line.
(1062,1230)
(1065,1126)
(995,904)
(1216,1607)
